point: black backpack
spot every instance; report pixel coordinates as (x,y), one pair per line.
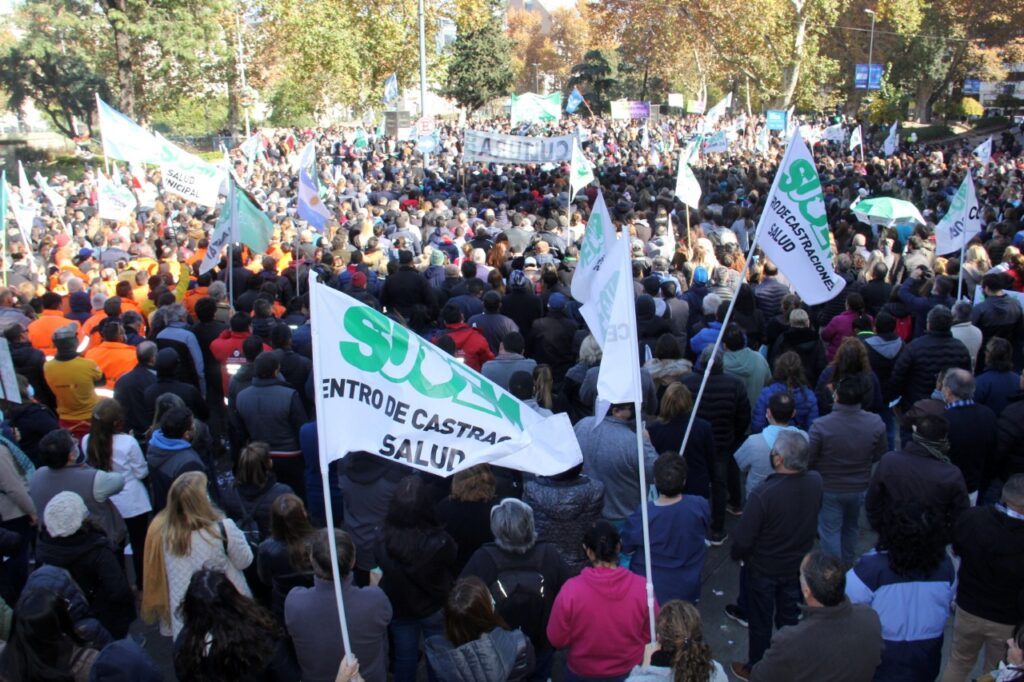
(521,596)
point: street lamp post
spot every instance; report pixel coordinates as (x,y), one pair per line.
(871,45)
(536,76)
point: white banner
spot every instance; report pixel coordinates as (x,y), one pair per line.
(116,202)
(384,390)
(793,230)
(189,176)
(675,99)
(892,141)
(495,148)
(716,143)
(855,138)
(961,222)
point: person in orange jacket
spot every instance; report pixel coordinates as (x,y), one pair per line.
(40,330)
(113,355)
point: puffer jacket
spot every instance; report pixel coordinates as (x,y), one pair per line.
(806,343)
(497,656)
(913,376)
(58,581)
(562,511)
(91,560)
(725,405)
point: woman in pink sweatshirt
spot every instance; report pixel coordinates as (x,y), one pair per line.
(601,615)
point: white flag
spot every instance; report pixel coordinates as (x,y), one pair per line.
(834,133)
(310,208)
(123,138)
(618,379)
(189,176)
(24,188)
(687,187)
(382,389)
(961,222)
(892,141)
(983,152)
(580,172)
(761,145)
(855,138)
(116,202)
(645,139)
(590,274)
(53,196)
(793,230)
(716,112)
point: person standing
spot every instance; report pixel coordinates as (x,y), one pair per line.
(73,380)
(990,584)
(972,432)
(836,640)
(775,532)
(844,444)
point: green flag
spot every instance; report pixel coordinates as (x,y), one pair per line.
(241,220)
(379,133)
(360,142)
(533,108)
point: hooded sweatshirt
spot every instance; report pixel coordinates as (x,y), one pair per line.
(882,352)
(751,368)
(601,616)
(169,458)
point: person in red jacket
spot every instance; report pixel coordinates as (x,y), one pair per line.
(227,348)
(470,344)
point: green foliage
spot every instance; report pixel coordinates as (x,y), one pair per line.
(888,104)
(480,69)
(63,86)
(291,105)
(597,77)
(193,116)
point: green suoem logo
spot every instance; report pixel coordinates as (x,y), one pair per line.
(383,347)
(802,186)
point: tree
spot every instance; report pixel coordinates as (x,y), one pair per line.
(480,69)
(533,54)
(597,77)
(63,86)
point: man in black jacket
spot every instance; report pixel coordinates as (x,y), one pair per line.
(776,531)
(972,432)
(920,472)
(913,376)
(28,361)
(130,390)
(1010,436)
(407,288)
(990,590)
(726,406)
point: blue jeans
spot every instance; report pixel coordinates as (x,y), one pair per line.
(769,599)
(405,638)
(838,527)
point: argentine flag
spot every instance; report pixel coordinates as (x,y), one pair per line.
(391,88)
(574,101)
(310,208)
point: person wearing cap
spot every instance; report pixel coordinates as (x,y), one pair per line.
(72,541)
(407,288)
(73,380)
(694,297)
(114,357)
(470,344)
(40,330)
(434,273)
(271,411)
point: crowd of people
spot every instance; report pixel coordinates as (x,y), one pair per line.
(866,455)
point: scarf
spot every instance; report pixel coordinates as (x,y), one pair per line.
(939,449)
(21,461)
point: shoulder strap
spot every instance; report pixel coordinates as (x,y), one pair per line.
(223,538)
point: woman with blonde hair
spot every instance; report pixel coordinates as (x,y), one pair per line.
(681,653)
(109,448)
(190,534)
(976,264)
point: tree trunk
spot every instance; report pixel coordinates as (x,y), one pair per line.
(123,56)
(791,72)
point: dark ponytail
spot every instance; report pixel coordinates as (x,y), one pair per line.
(603,540)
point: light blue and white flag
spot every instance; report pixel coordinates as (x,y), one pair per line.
(310,207)
(574,101)
(391,88)
(124,139)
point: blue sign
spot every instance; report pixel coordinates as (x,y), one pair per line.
(775,119)
(865,78)
(972,86)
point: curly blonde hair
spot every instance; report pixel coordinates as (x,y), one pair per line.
(682,637)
